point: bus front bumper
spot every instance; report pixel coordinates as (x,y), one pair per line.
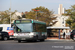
(26,38)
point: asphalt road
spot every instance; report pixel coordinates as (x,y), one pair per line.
(46,45)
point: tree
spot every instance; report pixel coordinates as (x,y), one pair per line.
(71,13)
(5,17)
(42,14)
(23,15)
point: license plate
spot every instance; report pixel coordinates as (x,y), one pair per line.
(23,39)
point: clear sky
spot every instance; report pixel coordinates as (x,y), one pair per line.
(27,5)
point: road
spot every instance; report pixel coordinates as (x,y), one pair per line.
(46,45)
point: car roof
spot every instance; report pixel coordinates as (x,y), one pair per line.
(3,32)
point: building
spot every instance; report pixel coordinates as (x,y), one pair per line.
(60,9)
(59,28)
(15,15)
(18,15)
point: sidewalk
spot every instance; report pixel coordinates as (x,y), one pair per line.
(52,38)
(56,38)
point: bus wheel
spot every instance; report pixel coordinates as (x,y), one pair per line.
(5,38)
(42,40)
(19,41)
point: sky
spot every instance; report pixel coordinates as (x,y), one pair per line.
(27,5)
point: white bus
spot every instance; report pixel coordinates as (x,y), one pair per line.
(29,30)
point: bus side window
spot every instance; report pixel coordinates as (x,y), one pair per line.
(34,27)
(1,28)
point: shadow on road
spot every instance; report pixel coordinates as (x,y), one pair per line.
(46,41)
(50,41)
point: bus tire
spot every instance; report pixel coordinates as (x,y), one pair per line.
(19,41)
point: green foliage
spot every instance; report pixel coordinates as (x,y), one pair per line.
(5,17)
(69,21)
(44,14)
(71,13)
(73,25)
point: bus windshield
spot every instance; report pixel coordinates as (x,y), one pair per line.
(24,27)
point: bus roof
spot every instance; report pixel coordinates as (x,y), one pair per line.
(40,22)
(31,21)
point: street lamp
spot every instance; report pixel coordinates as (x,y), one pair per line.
(10,15)
(10,11)
(36,12)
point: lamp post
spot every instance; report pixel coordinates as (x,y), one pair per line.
(10,11)
(36,12)
(10,17)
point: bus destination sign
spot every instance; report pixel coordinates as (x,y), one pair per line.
(17,21)
(22,21)
(25,21)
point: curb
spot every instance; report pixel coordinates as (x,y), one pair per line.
(61,39)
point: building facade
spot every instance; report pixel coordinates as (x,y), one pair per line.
(61,9)
(60,27)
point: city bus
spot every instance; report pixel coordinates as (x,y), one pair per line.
(29,30)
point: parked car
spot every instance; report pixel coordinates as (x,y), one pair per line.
(73,35)
(4,36)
